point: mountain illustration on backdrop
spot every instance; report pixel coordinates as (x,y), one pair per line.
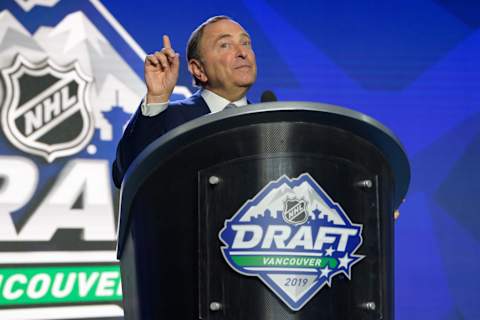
(76,38)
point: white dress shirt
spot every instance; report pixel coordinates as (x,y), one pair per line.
(214,102)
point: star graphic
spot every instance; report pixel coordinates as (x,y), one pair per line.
(329,251)
(325,272)
(344,261)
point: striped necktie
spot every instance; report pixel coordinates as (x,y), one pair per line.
(230,106)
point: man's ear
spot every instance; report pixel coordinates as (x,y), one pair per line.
(197,70)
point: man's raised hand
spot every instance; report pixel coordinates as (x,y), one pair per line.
(161,73)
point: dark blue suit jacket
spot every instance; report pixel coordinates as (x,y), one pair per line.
(141,130)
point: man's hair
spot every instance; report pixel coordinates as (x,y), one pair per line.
(193,44)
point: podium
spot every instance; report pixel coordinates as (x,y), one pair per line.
(275,211)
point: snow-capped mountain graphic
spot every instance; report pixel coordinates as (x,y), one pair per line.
(15,38)
(27,5)
(274,203)
(75,38)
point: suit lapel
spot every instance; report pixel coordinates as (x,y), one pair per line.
(200,104)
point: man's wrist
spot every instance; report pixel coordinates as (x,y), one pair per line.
(153,108)
(156,99)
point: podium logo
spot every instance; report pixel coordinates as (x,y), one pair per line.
(46,109)
(293,237)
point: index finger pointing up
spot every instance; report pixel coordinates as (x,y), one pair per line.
(166,42)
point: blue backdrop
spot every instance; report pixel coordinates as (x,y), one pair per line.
(413,65)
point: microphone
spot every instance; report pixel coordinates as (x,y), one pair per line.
(268,96)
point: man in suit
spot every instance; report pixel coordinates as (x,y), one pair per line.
(222,63)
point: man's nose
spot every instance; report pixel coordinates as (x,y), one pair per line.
(241,51)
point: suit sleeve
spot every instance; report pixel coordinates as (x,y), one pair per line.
(140,132)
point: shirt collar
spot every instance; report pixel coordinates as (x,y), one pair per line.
(217,103)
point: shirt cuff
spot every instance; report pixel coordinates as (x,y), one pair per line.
(153,109)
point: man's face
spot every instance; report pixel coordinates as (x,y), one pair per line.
(227,58)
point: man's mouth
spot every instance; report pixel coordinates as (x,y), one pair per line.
(243,66)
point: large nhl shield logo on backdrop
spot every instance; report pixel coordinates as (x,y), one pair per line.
(46,110)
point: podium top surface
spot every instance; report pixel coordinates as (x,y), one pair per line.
(307,112)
